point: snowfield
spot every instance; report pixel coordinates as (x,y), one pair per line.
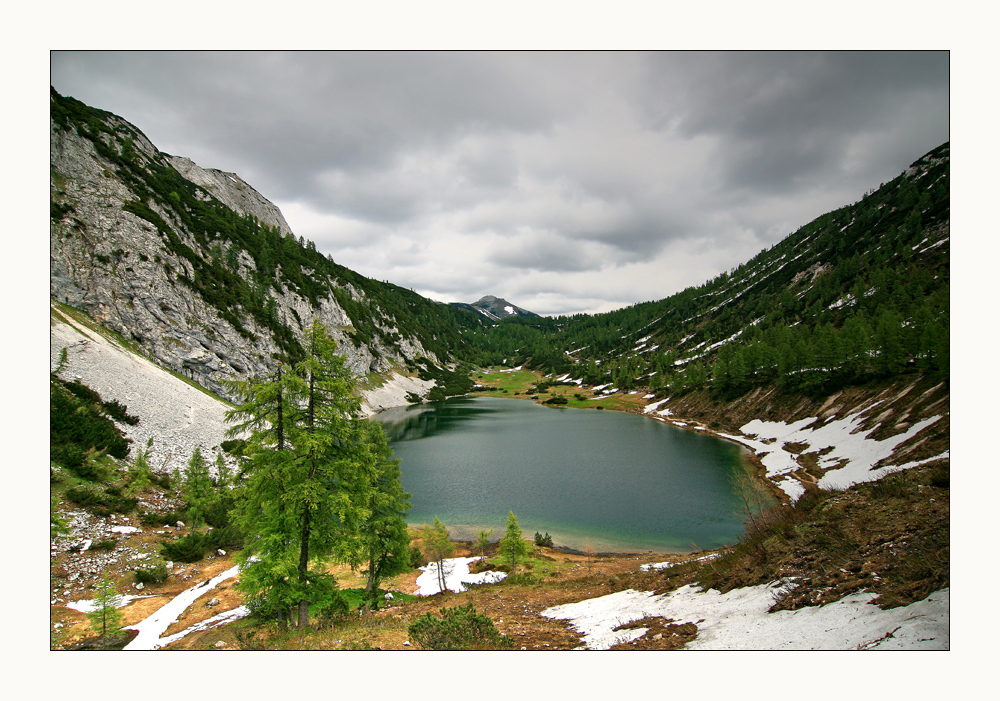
(152,627)
(393,393)
(852,453)
(738,620)
(456,576)
(852,457)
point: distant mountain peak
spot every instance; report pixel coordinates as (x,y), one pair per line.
(495,308)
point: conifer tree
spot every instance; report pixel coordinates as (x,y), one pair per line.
(439,547)
(262,419)
(307,481)
(483,542)
(198,490)
(223,474)
(140,474)
(385,543)
(512,546)
(106,602)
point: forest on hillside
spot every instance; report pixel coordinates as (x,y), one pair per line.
(237,260)
(858,294)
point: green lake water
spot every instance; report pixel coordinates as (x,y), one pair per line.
(620,482)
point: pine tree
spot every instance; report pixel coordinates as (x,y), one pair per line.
(385,543)
(512,546)
(483,542)
(439,547)
(106,602)
(262,419)
(198,490)
(140,474)
(307,481)
(223,474)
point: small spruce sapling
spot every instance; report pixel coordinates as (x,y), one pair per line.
(140,475)
(512,547)
(223,475)
(198,490)
(106,602)
(483,542)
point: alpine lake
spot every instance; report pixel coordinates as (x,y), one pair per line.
(604,481)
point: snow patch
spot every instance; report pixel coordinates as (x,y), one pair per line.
(650,408)
(852,456)
(738,620)
(213,622)
(153,626)
(668,565)
(456,576)
(88,605)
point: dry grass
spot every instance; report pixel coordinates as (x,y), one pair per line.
(889,537)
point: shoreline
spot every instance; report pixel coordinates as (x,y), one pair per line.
(749,459)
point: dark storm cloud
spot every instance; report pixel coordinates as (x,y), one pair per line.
(789,117)
(578,180)
(303,112)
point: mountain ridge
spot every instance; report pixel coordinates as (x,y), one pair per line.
(203,271)
(841,328)
(494,308)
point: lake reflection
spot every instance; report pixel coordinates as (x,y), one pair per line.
(619,482)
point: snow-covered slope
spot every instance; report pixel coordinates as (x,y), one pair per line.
(177,415)
(739,620)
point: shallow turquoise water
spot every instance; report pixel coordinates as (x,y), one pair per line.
(619,482)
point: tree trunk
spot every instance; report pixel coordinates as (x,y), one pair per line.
(303,613)
(304,569)
(370,584)
(281,414)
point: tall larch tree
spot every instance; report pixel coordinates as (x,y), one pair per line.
(306,485)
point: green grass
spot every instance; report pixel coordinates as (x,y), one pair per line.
(535,563)
(517,381)
(372,380)
(506,384)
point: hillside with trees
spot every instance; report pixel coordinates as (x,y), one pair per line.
(257,287)
(849,313)
(858,294)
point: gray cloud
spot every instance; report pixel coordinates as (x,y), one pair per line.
(574,181)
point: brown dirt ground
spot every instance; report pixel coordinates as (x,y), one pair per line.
(514,609)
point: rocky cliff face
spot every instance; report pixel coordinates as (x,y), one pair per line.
(134,274)
(232,191)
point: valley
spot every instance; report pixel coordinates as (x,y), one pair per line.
(826,356)
(886,528)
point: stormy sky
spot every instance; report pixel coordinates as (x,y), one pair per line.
(564,182)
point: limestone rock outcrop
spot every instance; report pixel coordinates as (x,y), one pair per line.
(116,265)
